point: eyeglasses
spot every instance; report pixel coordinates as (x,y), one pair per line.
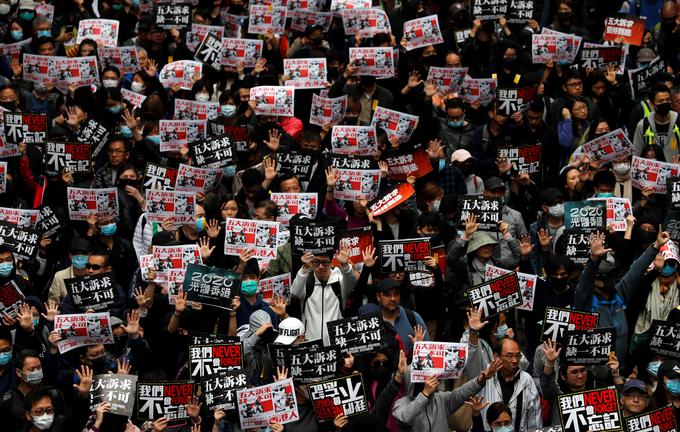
(575,84)
(637,395)
(510,356)
(318,263)
(115,151)
(578,371)
(42,411)
(94,266)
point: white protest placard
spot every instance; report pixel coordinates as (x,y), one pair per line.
(354,140)
(84,203)
(194,110)
(607,148)
(271,403)
(617,210)
(77,330)
(482,90)
(102,31)
(177,206)
(444,360)
(327,111)
(79,71)
(648,173)
(274,100)
(447,80)
(124,58)
(373,61)
(365,23)
(183,73)
(264,18)
(422,32)
(255,235)
(305,73)
(356,184)
(395,123)
(198,33)
(177,133)
(191,178)
(300,19)
(275,286)
(36,68)
(135,99)
(246,51)
(290,204)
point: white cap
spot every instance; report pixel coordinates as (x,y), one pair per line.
(461,155)
(289,330)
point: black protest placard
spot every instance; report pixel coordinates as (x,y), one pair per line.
(173,16)
(488,212)
(358,334)
(512,100)
(315,237)
(671,224)
(588,346)
(26,128)
(557,321)
(93,133)
(209,52)
(520,11)
(216,152)
(306,367)
(664,338)
(116,389)
(404,255)
(340,396)
(643,79)
(159,177)
(298,163)
(352,162)
(220,388)
(209,359)
(210,285)
(586,215)
(48,222)
(489,9)
(279,352)
(496,295)
(523,159)
(658,420)
(600,56)
(23,241)
(577,245)
(238,135)
(11,298)
(673,192)
(201,338)
(72,157)
(163,399)
(92,291)
(591,410)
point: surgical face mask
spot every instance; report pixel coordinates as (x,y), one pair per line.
(228,110)
(673,386)
(34,378)
(229,171)
(200,224)
(249,287)
(135,4)
(663,108)
(126,131)
(5,357)
(202,97)
(110,83)
(116,109)
(653,367)
(17,35)
(507,428)
(6,268)
(5,8)
(79,261)
(109,229)
(605,195)
(27,16)
(36,322)
(501,330)
(155,139)
(43,422)
(667,270)
(116,7)
(456,124)
(137,87)
(441,164)
(556,210)
(44,33)
(622,168)
(435,205)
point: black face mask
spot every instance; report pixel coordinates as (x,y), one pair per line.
(12,106)
(509,62)
(333,73)
(647,236)
(559,283)
(563,16)
(235,9)
(381,373)
(119,343)
(100,365)
(128,182)
(663,108)
(668,25)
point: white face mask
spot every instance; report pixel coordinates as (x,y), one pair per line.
(621,168)
(110,83)
(202,97)
(44,421)
(556,211)
(4,8)
(137,87)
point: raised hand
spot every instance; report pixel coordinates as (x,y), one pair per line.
(551,351)
(544,238)
(274,140)
(525,247)
(431,386)
(471,225)
(51,309)
(414,80)
(281,374)
(331,177)
(132,327)
(204,248)
(490,370)
(475,320)
(84,385)
(214,228)
(342,256)
(418,334)
(435,149)
(181,301)
(349,361)
(661,238)
(194,408)
(270,171)
(123,366)
(340,421)
(369,256)
(477,404)
(25,317)
(597,249)
(278,305)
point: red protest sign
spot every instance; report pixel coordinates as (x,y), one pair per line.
(392,199)
(630,29)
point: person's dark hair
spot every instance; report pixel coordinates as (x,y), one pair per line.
(120,138)
(6,334)
(251,177)
(658,151)
(657,89)
(537,105)
(429,219)
(495,410)
(35,396)
(90,42)
(454,103)
(285,176)
(103,253)
(23,355)
(605,178)
(554,262)
(42,40)
(310,136)
(269,206)
(571,74)
(499,347)
(380,39)
(202,84)
(113,69)
(570,101)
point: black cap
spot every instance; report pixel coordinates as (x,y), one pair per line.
(494,183)
(80,244)
(164,238)
(669,369)
(549,195)
(388,284)
(311,28)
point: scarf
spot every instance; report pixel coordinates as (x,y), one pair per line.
(658,306)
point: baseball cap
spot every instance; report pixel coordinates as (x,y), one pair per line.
(289,330)
(388,284)
(669,369)
(634,384)
(494,183)
(549,195)
(461,155)
(310,28)
(115,321)
(80,245)
(645,55)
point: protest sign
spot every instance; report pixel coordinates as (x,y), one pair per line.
(183,73)
(191,178)
(279,352)
(264,18)
(172,15)
(220,388)
(587,215)
(488,212)
(36,68)
(422,32)
(664,339)
(159,177)
(177,206)
(577,247)
(194,110)
(273,100)
(78,330)
(512,100)
(557,321)
(358,334)
(211,285)
(373,61)
(352,162)
(523,159)
(395,123)
(306,367)
(340,5)
(315,237)
(482,90)
(658,420)
(497,295)
(673,192)
(607,148)
(589,346)
(246,234)
(355,241)
(117,389)
(643,78)
(272,403)
(147,263)
(210,51)
(209,359)
(404,163)
(177,133)
(365,23)
(237,134)
(164,399)
(392,199)
(354,140)
(649,173)
(84,203)
(69,156)
(307,73)
(14,50)
(594,410)
(25,128)
(404,255)
(554,46)
(201,338)
(594,56)
(527,284)
(275,286)
(91,291)
(102,31)
(93,132)
(77,71)
(199,32)
(354,184)
(175,257)
(245,51)
(489,9)
(23,241)
(312,5)
(296,162)
(124,58)
(216,152)
(45,10)
(22,218)
(301,18)
(617,211)
(233,24)
(11,298)
(520,11)
(47,222)
(443,360)
(340,396)
(630,29)
(290,204)
(447,80)
(327,111)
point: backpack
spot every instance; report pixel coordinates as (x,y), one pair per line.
(309,289)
